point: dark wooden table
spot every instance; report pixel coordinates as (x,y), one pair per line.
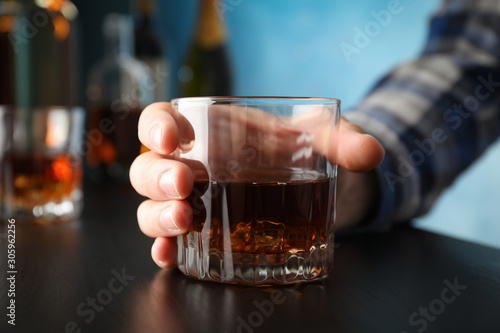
(96,275)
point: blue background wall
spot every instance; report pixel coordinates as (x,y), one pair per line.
(284,47)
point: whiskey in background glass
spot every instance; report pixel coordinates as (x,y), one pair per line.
(42,187)
(41,165)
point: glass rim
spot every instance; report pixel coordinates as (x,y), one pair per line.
(258,99)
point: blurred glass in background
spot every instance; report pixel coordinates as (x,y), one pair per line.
(42,119)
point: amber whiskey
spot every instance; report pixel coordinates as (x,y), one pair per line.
(251,232)
(42,187)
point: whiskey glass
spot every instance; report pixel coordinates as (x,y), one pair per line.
(263,200)
(41,163)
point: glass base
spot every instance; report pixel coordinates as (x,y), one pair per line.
(252,269)
(63,210)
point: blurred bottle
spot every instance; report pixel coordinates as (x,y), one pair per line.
(8,12)
(46,43)
(119,88)
(149,50)
(206,70)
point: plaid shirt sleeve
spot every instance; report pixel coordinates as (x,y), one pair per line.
(437,114)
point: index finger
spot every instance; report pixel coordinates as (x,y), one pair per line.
(161,128)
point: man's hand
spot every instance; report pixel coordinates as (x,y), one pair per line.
(167,182)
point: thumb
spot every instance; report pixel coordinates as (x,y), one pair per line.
(357,151)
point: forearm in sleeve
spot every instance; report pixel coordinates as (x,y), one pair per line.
(437,114)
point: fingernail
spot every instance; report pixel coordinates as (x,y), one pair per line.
(155,135)
(155,258)
(168,222)
(162,263)
(167,184)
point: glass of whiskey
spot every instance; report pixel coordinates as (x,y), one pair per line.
(263,200)
(41,170)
